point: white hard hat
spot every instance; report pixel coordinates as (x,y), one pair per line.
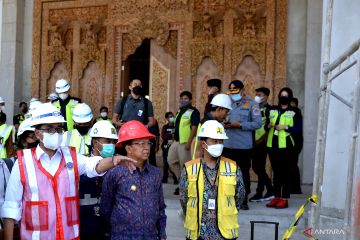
(212,129)
(33,104)
(52,96)
(222,100)
(46,113)
(25,126)
(103,129)
(62,86)
(2,100)
(82,113)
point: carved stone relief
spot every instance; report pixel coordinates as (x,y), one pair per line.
(59,71)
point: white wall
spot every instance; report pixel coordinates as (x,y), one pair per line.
(1,10)
(345,31)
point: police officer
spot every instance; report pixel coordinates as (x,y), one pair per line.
(260,151)
(212,189)
(65,103)
(103,138)
(79,137)
(219,108)
(186,122)
(244,119)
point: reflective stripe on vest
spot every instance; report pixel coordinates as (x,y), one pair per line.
(260,133)
(50,206)
(227,214)
(185,126)
(286,119)
(74,139)
(69,112)
(5,131)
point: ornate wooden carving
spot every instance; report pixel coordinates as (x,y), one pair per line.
(104,33)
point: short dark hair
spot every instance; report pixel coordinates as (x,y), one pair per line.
(288,90)
(21,103)
(104,108)
(264,90)
(186,93)
(237,84)
(167,114)
(134,80)
(295,100)
(214,82)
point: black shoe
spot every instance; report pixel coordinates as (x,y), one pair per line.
(268,196)
(256,198)
(164,180)
(244,207)
(176,182)
(176,191)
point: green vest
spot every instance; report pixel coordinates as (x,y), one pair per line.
(286,119)
(69,112)
(81,143)
(260,133)
(185,126)
(5,132)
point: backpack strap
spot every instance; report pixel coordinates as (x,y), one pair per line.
(146,110)
(122,106)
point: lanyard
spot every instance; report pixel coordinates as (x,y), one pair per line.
(212,184)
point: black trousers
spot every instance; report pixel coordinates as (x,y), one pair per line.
(243,160)
(152,156)
(258,165)
(295,181)
(165,151)
(281,159)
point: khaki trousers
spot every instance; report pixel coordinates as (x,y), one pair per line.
(177,157)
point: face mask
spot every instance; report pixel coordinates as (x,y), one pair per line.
(137,90)
(83,130)
(284,100)
(215,150)
(258,99)
(24,110)
(63,96)
(108,150)
(33,144)
(236,97)
(52,141)
(103,114)
(171,120)
(184,103)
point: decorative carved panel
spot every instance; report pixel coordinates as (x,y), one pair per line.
(59,71)
(103,32)
(249,72)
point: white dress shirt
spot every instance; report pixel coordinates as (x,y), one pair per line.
(12,207)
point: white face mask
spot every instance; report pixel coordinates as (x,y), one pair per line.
(215,150)
(52,141)
(63,96)
(258,99)
(103,114)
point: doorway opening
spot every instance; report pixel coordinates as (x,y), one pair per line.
(137,66)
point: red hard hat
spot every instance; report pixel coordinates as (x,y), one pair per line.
(132,130)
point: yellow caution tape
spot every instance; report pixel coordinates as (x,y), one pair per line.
(291,230)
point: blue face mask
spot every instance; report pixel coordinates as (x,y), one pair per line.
(236,97)
(108,150)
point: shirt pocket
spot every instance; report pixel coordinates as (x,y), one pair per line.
(229,207)
(36,215)
(72,211)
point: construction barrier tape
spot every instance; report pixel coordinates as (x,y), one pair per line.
(291,230)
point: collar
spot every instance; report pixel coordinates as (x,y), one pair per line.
(146,167)
(40,152)
(203,162)
(135,99)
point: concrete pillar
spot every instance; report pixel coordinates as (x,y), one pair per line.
(1,8)
(27,51)
(11,54)
(312,86)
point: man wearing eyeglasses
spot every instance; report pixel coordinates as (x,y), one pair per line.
(134,203)
(42,192)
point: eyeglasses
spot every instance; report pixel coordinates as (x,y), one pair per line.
(51,131)
(142,144)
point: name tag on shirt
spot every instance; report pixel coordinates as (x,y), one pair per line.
(211,204)
(140,112)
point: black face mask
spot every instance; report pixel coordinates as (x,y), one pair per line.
(33,145)
(24,110)
(284,100)
(137,90)
(83,130)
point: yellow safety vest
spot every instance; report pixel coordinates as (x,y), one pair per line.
(286,119)
(5,132)
(69,112)
(74,139)
(185,126)
(101,119)
(260,133)
(227,214)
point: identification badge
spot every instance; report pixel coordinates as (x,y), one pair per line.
(97,210)
(140,112)
(211,204)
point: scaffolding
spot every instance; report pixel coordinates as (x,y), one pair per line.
(331,72)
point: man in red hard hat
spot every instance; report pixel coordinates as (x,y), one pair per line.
(134,203)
